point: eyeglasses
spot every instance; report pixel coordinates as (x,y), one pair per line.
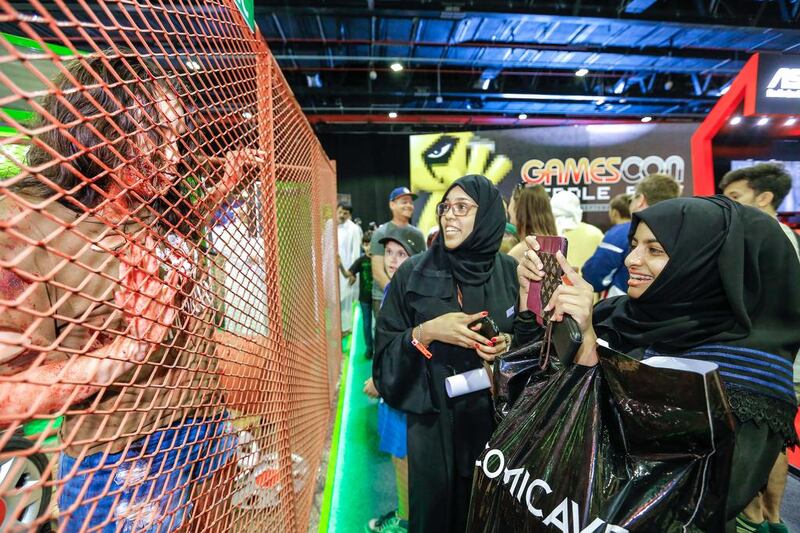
(459,209)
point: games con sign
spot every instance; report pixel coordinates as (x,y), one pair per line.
(596,162)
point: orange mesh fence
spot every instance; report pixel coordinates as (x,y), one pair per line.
(169,327)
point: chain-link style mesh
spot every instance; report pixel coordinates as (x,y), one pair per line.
(168,288)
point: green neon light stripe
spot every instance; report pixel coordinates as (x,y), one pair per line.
(7,131)
(20,115)
(25,42)
(333,455)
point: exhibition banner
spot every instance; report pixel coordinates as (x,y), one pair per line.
(596,162)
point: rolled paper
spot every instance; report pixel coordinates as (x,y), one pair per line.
(472,381)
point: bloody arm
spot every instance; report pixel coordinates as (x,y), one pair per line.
(234,165)
(53,386)
(147,303)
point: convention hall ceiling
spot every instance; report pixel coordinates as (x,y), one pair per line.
(487,62)
(405,65)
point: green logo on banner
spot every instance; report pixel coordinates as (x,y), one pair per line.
(246,9)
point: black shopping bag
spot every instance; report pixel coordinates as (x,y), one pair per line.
(533,362)
(511,374)
(623,446)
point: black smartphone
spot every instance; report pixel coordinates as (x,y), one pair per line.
(566,339)
(488,327)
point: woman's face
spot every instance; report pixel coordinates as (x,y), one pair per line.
(393,257)
(458,228)
(645,261)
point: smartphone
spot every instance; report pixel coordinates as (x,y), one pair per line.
(540,291)
(566,340)
(488,327)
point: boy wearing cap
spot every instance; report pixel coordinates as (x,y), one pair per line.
(401,204)
(399,244)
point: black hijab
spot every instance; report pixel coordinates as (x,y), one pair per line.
(471,263)
(732,277)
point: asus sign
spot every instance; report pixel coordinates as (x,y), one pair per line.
(778,85)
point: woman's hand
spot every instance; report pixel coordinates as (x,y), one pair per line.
(530,269)
(370,390)
(575,299)
(453,328)
(235,166)
(489,353)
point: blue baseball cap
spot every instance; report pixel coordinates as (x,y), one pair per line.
(401,191)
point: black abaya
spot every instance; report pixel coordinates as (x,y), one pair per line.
(446,435)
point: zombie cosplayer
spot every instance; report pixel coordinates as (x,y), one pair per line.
(105,312)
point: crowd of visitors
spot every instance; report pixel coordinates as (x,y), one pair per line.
(711,279)
(724,295)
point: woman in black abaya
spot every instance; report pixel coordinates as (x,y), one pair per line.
(431,301)
(716,281)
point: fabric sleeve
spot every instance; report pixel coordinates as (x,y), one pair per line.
(526,329)
(399,370)
(355,268)
(599,268)
(355,251)
(797,240)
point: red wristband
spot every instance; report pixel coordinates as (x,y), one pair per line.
(421,347)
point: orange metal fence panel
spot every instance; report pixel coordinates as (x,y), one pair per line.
(169,328)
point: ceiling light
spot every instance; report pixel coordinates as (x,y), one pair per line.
(600,101)
(790,121)
(763,121)
(392,114)
(486,83)
(439,99)
(725,89)
(647,119)
(396,67)
(314,81)
(735,121)
(619,87)
(581,72)
(623,100)
(522,116)
(247,115)
(193,65)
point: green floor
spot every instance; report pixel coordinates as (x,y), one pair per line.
(360,483)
